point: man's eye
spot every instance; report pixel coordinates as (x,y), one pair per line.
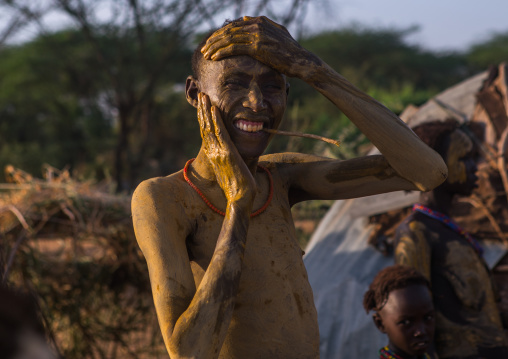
(272,87)
(429,317)
(234,84)
(405,322)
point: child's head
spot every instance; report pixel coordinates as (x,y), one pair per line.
(401,297)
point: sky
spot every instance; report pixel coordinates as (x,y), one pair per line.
(443,24)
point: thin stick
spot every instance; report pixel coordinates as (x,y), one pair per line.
(306,135)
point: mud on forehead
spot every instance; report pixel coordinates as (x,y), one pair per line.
(238,63)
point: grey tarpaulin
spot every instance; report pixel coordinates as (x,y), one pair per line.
(341,266)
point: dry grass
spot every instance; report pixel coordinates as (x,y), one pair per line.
(72,243)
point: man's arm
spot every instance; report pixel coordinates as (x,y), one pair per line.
(194,321)
(315,177)
(419,166)
(412,248)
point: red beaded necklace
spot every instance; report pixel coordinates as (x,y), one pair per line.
(215,209)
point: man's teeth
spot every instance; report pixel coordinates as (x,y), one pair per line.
(249,126)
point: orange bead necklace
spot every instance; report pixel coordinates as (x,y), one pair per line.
(215,209)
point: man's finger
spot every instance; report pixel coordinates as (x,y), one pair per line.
(219,125)
(205,101)
(200,113)
(207,125)
(219,34)
(233,50)
(216,42)
(204,124)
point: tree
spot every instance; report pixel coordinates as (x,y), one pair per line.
(491,52)
(383,57)
(42,118)
(138,48)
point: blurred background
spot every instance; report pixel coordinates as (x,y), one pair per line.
(92,103)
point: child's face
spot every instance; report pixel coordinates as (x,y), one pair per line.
(408,320)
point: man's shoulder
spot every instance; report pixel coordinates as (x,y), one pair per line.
(158,205)
(166,189)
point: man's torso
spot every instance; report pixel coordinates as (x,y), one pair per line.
(274,314)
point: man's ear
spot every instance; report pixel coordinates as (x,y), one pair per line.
(378,321)
(191,91)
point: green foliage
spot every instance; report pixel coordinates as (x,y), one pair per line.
(382,57)
(489,53)
(397,100)
(57,108)
(42,118)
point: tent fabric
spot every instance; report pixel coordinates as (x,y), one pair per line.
(341,266)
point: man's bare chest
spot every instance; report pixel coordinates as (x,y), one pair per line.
(271,249)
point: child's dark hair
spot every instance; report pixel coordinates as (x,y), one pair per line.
(389,279)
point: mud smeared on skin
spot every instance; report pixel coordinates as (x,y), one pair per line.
(352,170)
(298,304)
(460,146)
(225,279)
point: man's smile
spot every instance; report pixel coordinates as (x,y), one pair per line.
(248,126)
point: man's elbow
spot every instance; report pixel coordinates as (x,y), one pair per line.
(432,176)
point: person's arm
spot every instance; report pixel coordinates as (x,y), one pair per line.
(418,165)
(412,247)
(194,321)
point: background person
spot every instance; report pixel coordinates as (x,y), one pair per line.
(402,301)
(468,323)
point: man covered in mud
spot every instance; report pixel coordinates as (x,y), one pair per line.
(225,267)
(468,324)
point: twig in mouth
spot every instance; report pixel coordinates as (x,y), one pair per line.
(306,135)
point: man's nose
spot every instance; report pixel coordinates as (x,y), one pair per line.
(255,99)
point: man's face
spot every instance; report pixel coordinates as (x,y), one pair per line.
(249,95)
(462,168)
(408,320)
